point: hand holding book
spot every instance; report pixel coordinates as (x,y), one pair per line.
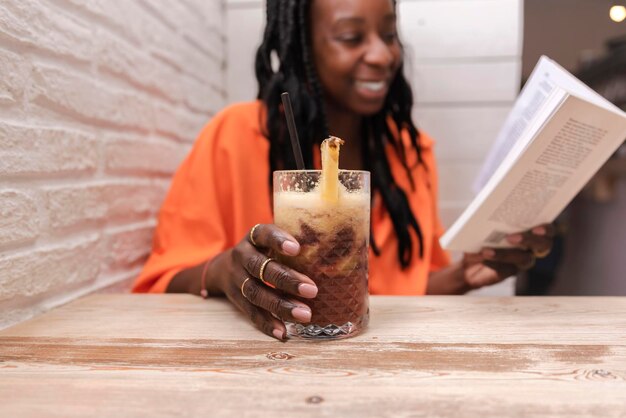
(559,133)
(492,265)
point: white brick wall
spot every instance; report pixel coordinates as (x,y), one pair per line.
(99,102)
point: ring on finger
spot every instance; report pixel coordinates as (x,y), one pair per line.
(541,254)
(241,287)
(252,234)
(262,270)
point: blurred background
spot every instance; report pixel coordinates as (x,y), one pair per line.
(100,101)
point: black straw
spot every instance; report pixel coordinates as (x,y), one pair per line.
(293,133)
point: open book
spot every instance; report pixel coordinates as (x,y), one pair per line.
(557,136)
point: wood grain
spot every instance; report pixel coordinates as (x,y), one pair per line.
(165,355)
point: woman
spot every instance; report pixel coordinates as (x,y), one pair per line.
(341,62)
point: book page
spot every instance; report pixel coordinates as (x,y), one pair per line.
(546,75)
(546,175)
(554,101)
(534,94)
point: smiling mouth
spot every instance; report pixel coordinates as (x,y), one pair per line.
(373,86)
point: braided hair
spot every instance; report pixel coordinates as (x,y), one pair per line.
(287,36)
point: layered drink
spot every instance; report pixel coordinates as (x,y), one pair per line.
(330,220)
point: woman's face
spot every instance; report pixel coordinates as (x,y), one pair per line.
(356,52)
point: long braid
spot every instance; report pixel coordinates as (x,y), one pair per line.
(263,64)
(393,196)
(308,65)
(296,75)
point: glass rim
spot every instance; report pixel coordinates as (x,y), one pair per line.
(320,171)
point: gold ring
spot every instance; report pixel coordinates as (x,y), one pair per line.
(252,234)
(541,254)
(242,285)
(265,263)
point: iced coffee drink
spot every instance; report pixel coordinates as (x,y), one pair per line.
(328,212)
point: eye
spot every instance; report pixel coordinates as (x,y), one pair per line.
(390,37)
(351,38)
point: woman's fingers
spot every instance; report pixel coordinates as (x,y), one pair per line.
(521,259)
(257,282)
(531,244)
(279,276)
(479,275)
(267,299)
(503,270)
(268,270)
(263,320)
(271,237)
(538,239)
(253,273)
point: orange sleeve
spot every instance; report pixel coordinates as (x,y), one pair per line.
(194,218)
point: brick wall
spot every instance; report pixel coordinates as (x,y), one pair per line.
(99,102)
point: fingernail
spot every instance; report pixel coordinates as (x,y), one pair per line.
(488,253)
(278,334)
(307,290)
(301,314)
(514,239)
(540,230)
(291,248)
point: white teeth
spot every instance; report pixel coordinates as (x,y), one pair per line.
(371,85)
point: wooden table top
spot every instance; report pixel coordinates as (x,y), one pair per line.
(179,355)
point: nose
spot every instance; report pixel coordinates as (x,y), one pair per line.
(378,52)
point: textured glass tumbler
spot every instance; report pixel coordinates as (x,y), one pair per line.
(334,241)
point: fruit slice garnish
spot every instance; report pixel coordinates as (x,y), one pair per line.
(329,182)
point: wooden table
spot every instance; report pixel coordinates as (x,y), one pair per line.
(178,355)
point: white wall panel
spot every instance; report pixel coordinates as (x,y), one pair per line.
(461,28)
(455,180)
(449,212)
(462,133)
(473,82)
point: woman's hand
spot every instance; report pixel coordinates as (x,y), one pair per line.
(492,265)
(260,286)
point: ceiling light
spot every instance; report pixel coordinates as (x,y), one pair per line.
(617,13)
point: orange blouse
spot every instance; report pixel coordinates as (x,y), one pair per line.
(221,190)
